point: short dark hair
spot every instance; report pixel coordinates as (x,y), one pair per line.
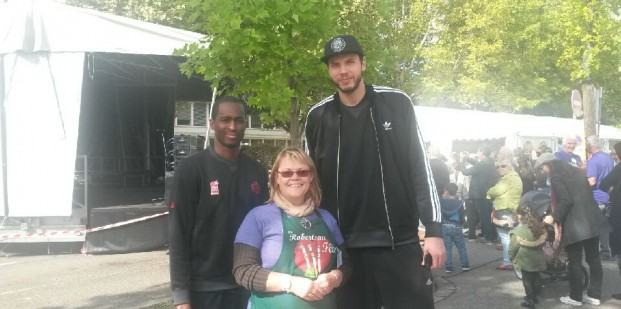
(226,99)
(617,148)
(451,189)
(486,150)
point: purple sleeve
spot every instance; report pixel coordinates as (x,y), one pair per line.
(591,169)
(262,229)
(251,230)
(332,226)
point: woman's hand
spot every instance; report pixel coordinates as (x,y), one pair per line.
(329,281)
(306,289)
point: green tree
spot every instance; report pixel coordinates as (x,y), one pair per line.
(266,50)
(393,34)
(488,55)
(588,42)
(525,55)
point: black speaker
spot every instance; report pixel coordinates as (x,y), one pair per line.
(184,146)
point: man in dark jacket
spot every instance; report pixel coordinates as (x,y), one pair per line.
(484,175)
(212,193)
(612,183)
(377,182)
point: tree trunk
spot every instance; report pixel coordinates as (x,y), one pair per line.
(294,108)
(588,105)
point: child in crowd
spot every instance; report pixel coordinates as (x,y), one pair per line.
(453,217)
(526,252)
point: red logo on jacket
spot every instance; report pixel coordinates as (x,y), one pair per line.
(215,189)
(254,186)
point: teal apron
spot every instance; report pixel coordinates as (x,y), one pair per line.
(308,250)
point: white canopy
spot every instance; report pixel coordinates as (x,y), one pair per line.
(42,26)
(42,56)
(441,126)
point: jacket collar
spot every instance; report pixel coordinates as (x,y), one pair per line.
(369,94)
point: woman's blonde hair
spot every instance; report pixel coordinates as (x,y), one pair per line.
(297,155)
(506,162)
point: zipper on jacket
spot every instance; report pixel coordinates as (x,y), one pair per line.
(338,165)
(379,153)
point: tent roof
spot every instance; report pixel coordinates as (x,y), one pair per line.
(441,123)
(38,25)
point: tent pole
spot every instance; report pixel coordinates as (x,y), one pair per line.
(5,202)
(209,107)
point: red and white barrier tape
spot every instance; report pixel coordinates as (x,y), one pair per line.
(44,233)
(113,225)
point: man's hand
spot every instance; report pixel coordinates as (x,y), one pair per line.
(184,306)
(548,220)
(434,246)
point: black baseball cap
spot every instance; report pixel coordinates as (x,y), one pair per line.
(342,44)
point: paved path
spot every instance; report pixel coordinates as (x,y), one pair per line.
(486,287)
(135,280)
(140,280)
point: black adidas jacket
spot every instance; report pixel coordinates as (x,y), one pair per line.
(409,192)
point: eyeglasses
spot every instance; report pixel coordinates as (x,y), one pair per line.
(501,166)
(300,173)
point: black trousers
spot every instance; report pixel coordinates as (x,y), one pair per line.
(387,278)
(484,209)
(576,278)
(473,219)
(532,284)
(227,299)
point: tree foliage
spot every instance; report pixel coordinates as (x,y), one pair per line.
(522,55)
(498,55)
(267,50)
(393,34)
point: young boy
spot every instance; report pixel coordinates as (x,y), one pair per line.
(453,217)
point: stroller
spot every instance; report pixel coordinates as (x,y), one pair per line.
(556,258)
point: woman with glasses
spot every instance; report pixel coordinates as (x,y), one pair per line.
(506,194)
(289,253)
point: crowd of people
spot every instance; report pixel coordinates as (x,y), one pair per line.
(491,185)
(337,225)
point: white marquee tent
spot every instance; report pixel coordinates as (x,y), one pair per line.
(442,126)
(43,51)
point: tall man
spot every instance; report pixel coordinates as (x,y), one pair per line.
(377,182)
(598,166)
(483,176)
(212,193)
(567,153)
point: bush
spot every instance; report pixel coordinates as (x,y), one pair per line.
(264,153)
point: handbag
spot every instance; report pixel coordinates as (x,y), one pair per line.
(504,218)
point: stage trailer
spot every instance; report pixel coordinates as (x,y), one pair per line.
(83,90)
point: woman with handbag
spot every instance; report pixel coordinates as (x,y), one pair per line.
(506,194)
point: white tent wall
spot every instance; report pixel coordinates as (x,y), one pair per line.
(42,95)
(3,202)
(42,63)
(442,126)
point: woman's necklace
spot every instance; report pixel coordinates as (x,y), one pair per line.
(305,223)
(300,211)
